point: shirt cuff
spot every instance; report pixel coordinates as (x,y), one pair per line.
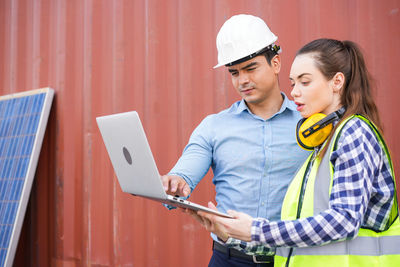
(257,235)
(229,242)
(249,247)
(169,207)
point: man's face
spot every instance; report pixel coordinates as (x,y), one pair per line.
(255,79)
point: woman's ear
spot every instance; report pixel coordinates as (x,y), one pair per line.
(338,81)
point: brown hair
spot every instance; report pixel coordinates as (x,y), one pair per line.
(333,56)
(269,55)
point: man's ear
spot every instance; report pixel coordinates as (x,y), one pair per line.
(276,64)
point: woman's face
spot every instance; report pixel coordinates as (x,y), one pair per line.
(311,91)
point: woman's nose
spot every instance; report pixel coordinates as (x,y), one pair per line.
(295,91)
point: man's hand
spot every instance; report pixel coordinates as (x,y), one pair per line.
(175,185)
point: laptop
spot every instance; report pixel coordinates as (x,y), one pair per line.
(133,162)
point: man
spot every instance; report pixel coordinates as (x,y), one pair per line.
(250,146)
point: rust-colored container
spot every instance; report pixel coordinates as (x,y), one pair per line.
(156,57)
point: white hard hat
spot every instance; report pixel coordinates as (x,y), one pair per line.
(241,36)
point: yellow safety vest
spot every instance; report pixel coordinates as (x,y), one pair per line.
(368,248)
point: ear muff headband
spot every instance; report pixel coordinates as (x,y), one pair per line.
(313,131)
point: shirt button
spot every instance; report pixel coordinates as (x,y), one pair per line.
(262,203)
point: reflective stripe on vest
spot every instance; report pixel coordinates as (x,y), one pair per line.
(362,246)
(384,246)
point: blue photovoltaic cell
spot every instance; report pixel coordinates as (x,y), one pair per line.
(19,121)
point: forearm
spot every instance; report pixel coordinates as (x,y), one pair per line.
(318,230)
(193,164)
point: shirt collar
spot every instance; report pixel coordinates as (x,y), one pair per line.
(242,107)
(287,104)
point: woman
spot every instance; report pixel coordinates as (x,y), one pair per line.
(341,208)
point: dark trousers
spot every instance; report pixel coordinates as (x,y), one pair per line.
(220,259)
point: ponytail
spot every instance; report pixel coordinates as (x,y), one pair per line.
(357,95)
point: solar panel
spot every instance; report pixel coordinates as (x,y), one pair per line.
(23,120)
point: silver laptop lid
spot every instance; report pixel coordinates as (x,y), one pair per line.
(130,154)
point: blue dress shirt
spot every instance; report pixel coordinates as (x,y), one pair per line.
(253,160)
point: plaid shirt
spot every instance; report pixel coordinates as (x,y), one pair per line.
(362,196)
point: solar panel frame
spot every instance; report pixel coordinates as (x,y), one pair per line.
(25,144)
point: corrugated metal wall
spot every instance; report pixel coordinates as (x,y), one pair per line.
(156,57)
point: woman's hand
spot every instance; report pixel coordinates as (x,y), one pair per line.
(239,227)
(215,228)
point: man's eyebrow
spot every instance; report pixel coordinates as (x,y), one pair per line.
(232,70)
(252,64)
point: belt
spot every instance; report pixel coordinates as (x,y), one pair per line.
(241,255)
